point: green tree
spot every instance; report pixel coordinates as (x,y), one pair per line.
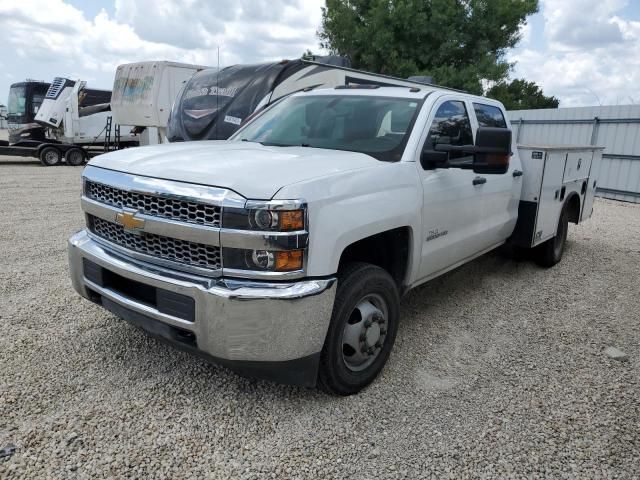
(521,95)
(458,42)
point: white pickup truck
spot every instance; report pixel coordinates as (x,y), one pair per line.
(283,252)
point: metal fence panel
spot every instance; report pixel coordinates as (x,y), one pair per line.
(615,127)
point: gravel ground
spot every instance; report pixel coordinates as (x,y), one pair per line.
(498,370)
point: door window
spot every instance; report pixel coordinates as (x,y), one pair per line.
(489,116)
(452,126)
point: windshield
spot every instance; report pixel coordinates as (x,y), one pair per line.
(17,101)
(376,126)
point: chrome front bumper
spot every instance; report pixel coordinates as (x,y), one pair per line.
(268,330)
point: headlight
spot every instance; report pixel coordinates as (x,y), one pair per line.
(263,260)
(275,216)
(274,238)
(263,219)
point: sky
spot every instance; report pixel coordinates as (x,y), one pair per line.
(585,52)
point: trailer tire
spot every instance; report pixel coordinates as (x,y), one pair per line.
(75,157)
(550,252)
(365,314)
(50,156)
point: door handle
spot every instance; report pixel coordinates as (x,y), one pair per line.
(479,180)
(517,173)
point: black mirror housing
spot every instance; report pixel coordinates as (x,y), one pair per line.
(431,159)
(492,151)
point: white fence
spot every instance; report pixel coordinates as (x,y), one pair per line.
(617,128)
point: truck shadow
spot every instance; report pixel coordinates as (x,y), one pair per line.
(442,314)
(35,161)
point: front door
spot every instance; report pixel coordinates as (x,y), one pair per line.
(452,209)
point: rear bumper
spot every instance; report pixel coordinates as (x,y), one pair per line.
(266,330)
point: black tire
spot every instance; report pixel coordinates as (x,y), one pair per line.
(50,156)
(358,284)
(75,157)
(550,252)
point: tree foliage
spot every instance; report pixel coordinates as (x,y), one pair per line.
(459,42)
(521,95)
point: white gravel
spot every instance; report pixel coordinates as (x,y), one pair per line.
(499,370)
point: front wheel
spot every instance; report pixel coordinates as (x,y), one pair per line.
(362,330)
(550,252)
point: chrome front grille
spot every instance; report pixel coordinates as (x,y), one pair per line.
(165,207)
(158,246)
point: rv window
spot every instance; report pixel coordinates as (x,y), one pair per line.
(38,98)
(376,126)
(489,116)
(17,101)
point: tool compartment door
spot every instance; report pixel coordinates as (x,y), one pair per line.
(550,203)
(591,185)
(577,166)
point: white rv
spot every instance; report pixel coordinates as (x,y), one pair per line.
(143,94)
(76,114)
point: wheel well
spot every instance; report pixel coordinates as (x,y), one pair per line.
(573,207)
(388,250)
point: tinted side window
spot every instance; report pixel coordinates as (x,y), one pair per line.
(489,116)
(451,125)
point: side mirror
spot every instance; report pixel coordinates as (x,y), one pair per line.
(492,150)
(430,159)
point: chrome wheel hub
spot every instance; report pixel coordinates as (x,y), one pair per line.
(364,333)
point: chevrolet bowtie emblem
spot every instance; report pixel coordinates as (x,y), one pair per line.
(129,221)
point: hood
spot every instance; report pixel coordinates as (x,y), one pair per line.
(250,169)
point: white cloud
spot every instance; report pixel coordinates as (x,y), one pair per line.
(589,52)
(46,38)
(592,54)
(579,24)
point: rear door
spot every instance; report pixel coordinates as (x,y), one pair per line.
(500,193)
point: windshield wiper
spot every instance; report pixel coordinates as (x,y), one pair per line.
(273,144)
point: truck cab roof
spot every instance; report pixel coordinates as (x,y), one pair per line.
(419,92)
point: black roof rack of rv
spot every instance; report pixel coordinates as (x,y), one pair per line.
(357,87)
(423,84)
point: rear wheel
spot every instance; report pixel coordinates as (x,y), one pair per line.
(74,157)
(362,330)
(550,252)
(50,156)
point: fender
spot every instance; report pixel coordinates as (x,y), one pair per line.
(350,206)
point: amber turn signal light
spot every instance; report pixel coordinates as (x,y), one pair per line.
(287,261)
(291,220)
